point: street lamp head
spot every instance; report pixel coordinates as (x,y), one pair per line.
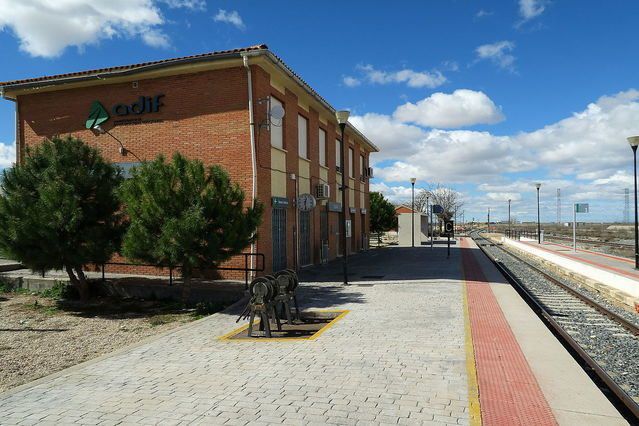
(633,141)
(342,116)
(413,180)
(537,185)
(97,129)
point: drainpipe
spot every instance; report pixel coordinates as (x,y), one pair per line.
(253,158)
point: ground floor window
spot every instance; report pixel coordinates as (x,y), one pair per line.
(278,225)
(305,238)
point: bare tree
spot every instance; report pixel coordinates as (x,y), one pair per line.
(450,200)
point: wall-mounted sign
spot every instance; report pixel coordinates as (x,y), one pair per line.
(334,207)
(279,201)
(97,115)
(145,104)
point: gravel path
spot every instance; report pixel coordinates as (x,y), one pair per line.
(40,339)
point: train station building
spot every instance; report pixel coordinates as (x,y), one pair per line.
(243,109)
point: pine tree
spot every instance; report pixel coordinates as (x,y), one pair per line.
(383,217)
(185,215)
(59,209)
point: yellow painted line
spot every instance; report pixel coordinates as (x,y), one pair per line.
(228,336)
(330,324)
(474,407)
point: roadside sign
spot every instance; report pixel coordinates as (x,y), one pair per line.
(581,208)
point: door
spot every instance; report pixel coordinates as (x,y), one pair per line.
(305,238)
(354,238)
(324,236)
(278,224)
(338,234)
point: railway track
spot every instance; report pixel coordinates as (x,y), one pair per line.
(604,339)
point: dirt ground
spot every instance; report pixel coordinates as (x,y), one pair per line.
(39,335)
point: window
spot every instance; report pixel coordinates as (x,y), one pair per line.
(361,167)
(322,147)
(125,168)
(338,156)
(302,136)
(277,129)
(351,162)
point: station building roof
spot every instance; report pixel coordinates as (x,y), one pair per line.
(11,89)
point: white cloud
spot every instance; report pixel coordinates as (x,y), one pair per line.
(590,144)
(504,196)
(395,194)
(186,4)
(155,38)
(461,108)
(498,54)
(45,28)
(230,17)
(416,79)
(482,13)
(529,9)
(7,155)
(351,81)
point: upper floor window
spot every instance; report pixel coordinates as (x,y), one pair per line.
(302,136)
(361,166)
(351,162)
(277,131)
(322,147)
(338,156)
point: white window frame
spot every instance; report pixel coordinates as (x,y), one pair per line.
(302,136)
(322,147)
(277,131)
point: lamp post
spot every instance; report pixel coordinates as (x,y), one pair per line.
(428,218)
(634,142)
(538,185)
(509,200)
(412,183)
(342,119)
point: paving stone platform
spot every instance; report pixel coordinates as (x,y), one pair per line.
(397,357)
(404,354)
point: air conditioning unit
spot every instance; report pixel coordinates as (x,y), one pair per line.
(322,191)
(368,172)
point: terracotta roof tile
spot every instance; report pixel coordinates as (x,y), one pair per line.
(133,66)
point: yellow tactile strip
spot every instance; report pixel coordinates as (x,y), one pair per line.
(341,314)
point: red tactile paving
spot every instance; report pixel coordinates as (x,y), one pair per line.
(508,391)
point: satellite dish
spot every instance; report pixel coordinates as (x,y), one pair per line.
(277,112)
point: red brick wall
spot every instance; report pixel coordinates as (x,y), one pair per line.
(204,116)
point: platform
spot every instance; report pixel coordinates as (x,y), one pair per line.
(615,272)
(428,339)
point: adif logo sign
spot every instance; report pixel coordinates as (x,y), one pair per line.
(98,114)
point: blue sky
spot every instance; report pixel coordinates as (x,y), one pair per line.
(484,96)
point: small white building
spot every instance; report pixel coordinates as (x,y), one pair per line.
(404,222)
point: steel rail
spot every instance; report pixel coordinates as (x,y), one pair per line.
(626,400)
